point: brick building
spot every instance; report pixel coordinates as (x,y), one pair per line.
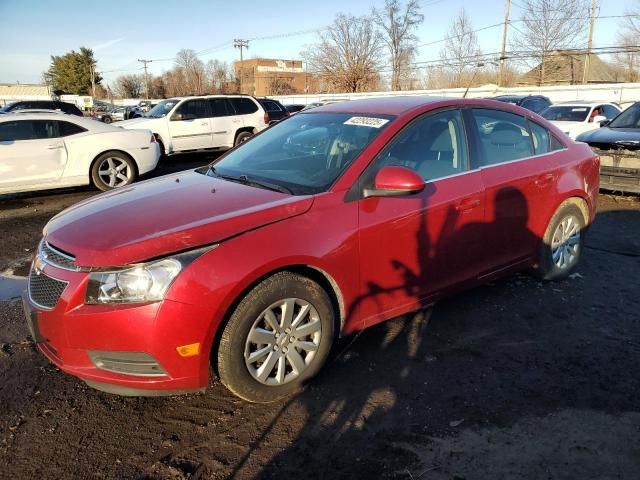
(265,76)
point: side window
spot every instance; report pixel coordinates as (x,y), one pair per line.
(193,109)
(21,106)
(244,106)
(556,144)
(27,130)
(219,107)
(503,136)
(270,106)
(67,128)
(541,138)
(433,145)
(609,111)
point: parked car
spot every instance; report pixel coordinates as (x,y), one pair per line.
(617,141)
(535,103)
(43,105)
(39,151)
(322,225)
(141,110)
(211,122)
(275,110)
(114,115)
(313,105)
(294,107)
(574,118)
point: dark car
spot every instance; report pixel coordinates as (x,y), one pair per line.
(295,107)
(618,143)
(535,103)
(43,105)
(275,110)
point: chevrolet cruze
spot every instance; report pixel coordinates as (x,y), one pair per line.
(329,222)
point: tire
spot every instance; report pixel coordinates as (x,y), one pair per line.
(113,170)
(560,251)
(266,372)
(242,137)
(106,119)
(163,153)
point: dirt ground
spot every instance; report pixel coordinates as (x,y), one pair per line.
(517,379)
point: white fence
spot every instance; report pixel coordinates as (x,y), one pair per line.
(622,93)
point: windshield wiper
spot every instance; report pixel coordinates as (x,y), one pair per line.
(245,180)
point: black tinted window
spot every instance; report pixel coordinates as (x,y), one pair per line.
(244,106)
(219,107)
(270,106)
(194,109)
(27,130)
(536,104)
(66,128)
(434,146)
(503,136)
(68,108)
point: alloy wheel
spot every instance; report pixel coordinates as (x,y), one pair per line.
(565,243)
(283,341)
(114,172)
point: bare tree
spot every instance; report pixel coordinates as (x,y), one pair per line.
(628,60)
(398,23)
(130,86)
(461,49)
(546,26)
(218,75)
(347,54)
(192,69)
(280,86)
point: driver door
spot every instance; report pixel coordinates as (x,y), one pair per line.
(31,152)
(190,126)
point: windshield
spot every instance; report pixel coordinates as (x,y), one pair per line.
(630,118)
(305,153)
(566,113)
(162,108)
(7,107)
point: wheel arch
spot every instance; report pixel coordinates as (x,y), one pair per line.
(317,274)
(580,202)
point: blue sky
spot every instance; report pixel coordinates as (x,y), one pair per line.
(121,31)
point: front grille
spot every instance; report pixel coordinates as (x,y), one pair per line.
(45,291)
(56,257)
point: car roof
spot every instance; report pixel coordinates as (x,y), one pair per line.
(212,96)
(581,104)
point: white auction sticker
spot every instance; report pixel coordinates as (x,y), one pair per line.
(372,122)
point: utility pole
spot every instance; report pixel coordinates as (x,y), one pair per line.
(504,42)
(93,80)
(587,58)
(239,43)
(146,77)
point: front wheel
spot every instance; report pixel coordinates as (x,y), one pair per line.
(562,244)
(278,337)
(112,170)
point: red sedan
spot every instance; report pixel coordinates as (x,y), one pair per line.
(324,224)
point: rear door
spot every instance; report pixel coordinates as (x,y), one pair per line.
(31,152)
(413,247)
(190,125)
(250,114)
(519,176)
(223,123)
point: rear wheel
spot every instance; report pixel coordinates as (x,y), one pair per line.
(243,137)
(112,170)
(278,337)
(562,244)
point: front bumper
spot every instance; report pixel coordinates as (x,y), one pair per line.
(140,339)
(147,158)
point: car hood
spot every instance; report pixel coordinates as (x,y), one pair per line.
(163,216)
(140,122)
(612,137)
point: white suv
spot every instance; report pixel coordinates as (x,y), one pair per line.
(213,122)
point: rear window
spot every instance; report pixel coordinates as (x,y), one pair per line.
(244,106)
(68,128)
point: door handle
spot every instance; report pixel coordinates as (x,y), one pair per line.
(55,146)
(544,180)
(204,123)
(468,204)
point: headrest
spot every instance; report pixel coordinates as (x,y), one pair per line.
(506,134)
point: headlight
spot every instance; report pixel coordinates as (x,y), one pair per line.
(141,283)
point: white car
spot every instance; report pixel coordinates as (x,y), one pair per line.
(575,118)
(46,150)
(210,122)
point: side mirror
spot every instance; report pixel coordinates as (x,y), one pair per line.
(394,181)
(599,119)
(603,123)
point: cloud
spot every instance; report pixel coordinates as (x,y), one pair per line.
(104,45)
